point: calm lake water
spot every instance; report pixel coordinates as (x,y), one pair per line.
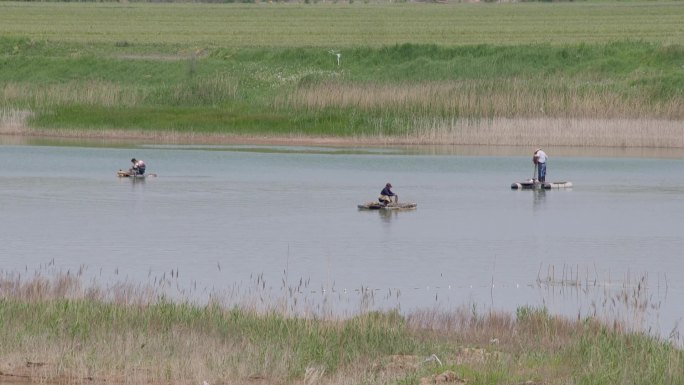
(281,223)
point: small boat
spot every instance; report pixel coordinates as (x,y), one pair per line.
(533,184)
(389,206)
(128,174)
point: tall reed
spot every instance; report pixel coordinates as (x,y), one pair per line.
(13,121)
(488,98)
(213,90)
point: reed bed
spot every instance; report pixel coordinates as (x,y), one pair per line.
(502,112)
(420,114)
(212,91)
(647,133)
(87,93)
(57,328)
(507,98)
(13,121)
(622,133)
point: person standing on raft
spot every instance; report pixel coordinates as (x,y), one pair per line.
(386,195)
(539,159)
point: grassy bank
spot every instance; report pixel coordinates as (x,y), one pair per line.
(57,329)
(424,82)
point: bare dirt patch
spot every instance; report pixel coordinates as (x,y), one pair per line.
(447,377)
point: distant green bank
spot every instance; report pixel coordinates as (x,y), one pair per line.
(394,90)
(442,67)
(56,330)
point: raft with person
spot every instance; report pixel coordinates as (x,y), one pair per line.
(538,181)
(137,171)
(533,184)
(388,206)
(387,200)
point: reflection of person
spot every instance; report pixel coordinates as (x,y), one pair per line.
(138,167)
(540,159)
(386,195)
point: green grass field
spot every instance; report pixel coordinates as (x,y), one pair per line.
(405,70)
(336,26)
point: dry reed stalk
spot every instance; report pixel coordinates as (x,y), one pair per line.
(548,332)
(13,121)
(40,288)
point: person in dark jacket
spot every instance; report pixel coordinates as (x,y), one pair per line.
(386,195)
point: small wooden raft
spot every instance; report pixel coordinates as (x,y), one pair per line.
(389,206)
(128,174)
(531,184)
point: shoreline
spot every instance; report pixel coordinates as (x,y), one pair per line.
(641,138)
(518,132)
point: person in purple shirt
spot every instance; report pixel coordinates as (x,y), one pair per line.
(386,195)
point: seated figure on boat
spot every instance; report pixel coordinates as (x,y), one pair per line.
(386,195)
(138,167)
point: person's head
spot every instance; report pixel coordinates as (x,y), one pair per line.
(133,160)
(537,150)
(388,185)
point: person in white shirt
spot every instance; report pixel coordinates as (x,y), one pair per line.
(540,159)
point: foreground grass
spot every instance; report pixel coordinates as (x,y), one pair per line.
(57,330)
(273,70)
